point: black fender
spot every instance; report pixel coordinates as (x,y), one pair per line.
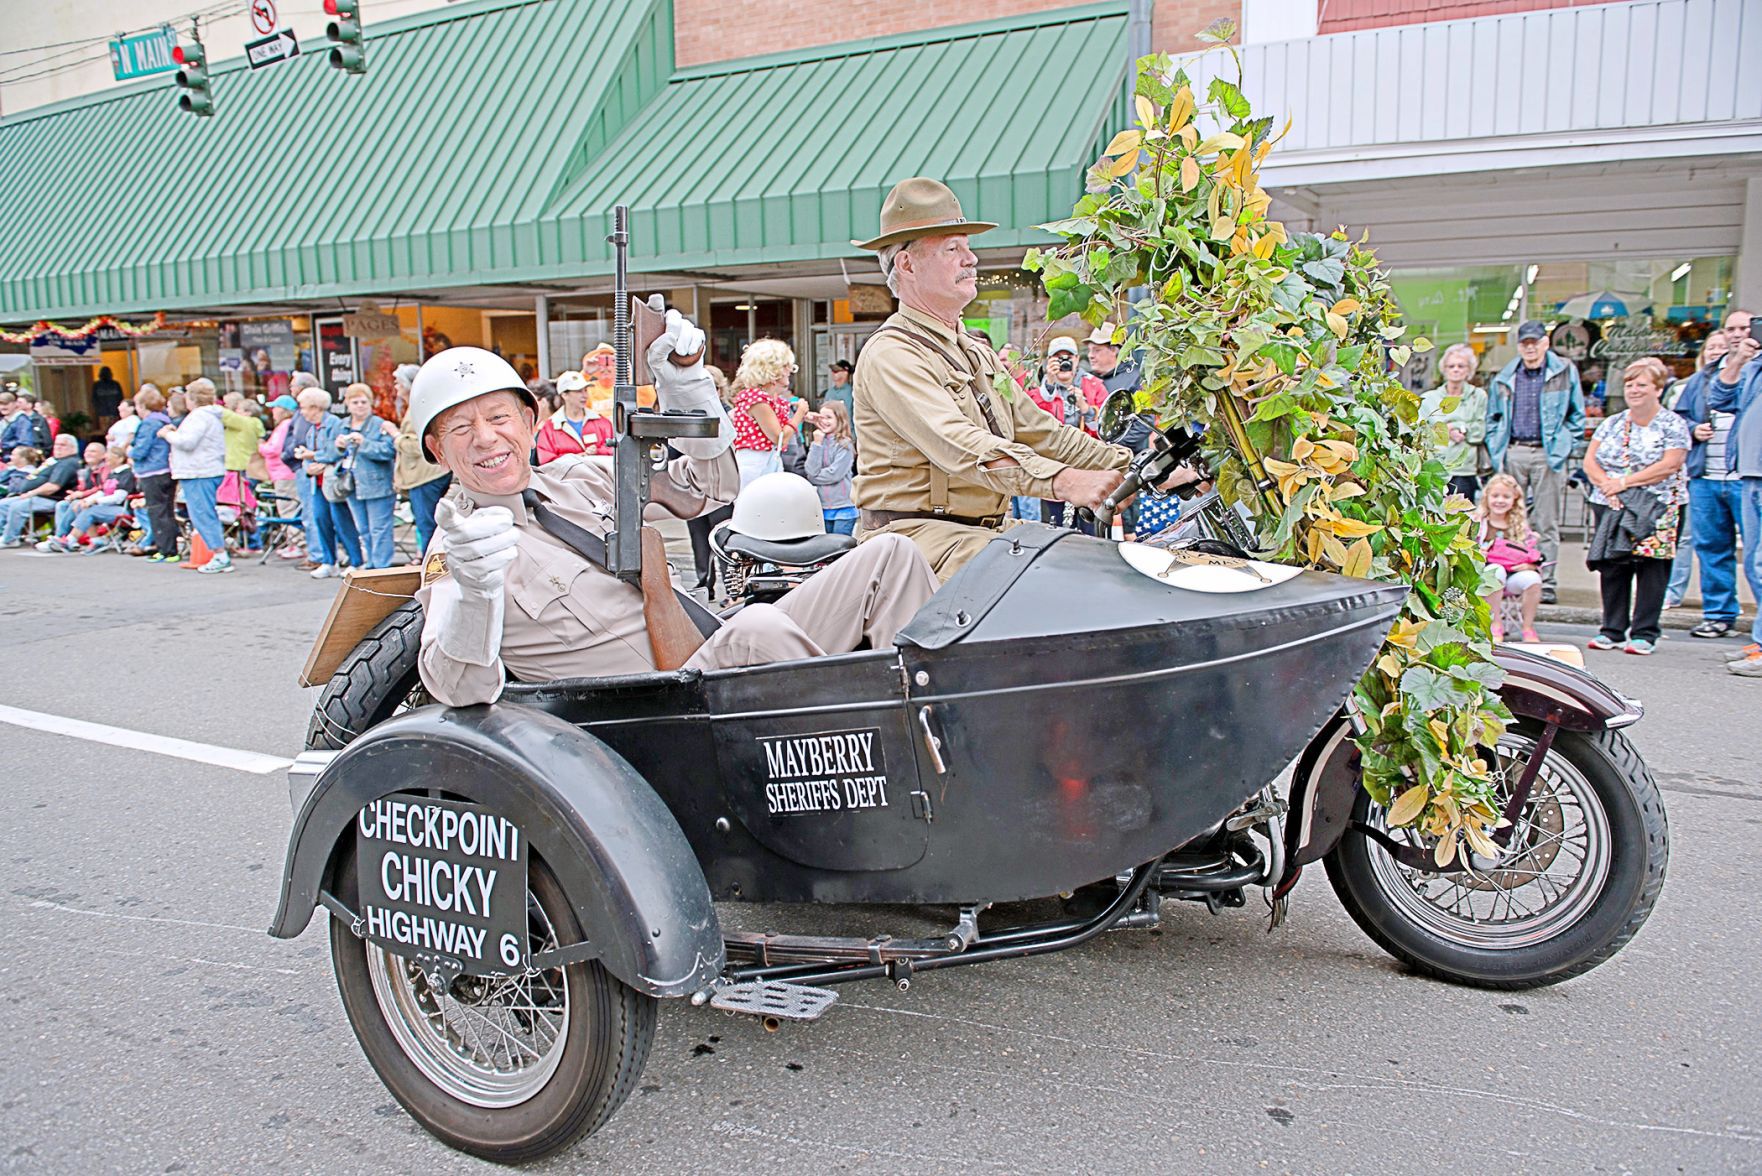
(619,853)
(1325,782)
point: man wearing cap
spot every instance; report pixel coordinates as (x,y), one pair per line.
(575,427)
(515,582)
(1535,415)
(943,449)
(840,370)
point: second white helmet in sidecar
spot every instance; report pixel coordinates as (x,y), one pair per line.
(779,507)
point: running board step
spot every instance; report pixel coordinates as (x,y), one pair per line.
(774,998)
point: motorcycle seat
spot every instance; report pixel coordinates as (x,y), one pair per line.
(790,553)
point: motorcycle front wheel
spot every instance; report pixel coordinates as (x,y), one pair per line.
(507,1068)
(1580,874)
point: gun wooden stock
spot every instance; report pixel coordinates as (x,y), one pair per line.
(672,636)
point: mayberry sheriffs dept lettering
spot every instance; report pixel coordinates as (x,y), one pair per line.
(833,772)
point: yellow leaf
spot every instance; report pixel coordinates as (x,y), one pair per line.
(1344,450)
(1407,806)
(1344,490)
(1439,732)
(1223,229)
(1405,634)
(1302,448)
(1357,561)
(1146,111)
(1180,109)
(1279,469)
(1446,851)
(1222,141)
(1189,174)
(1478,839)
(1124,164)
(1190,136)
(1333,549)
(1336,324)
(1323,380)
(1390,665)
(1264,246)
(1347,306)
(1123,142)
(1353,528)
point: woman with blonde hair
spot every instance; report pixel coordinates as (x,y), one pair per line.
(1635,465)
(761,407)
(198,463)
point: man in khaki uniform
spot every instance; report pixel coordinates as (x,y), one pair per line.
(507,587)
(943,451)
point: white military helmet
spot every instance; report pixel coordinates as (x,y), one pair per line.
(454,376)
(779,507)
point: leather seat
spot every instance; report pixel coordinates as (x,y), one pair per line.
(791,553)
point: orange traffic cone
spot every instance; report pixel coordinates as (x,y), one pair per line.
(200,553)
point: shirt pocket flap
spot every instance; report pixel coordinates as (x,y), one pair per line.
(541,577)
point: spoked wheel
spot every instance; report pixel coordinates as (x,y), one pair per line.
(507,1068)
(1580,874)
(378,679)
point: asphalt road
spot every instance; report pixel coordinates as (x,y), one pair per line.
(151,1025)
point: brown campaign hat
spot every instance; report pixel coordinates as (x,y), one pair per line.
(921,207)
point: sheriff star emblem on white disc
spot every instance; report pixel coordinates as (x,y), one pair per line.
(463,369)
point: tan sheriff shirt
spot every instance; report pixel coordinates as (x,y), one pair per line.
(925,441)
(563,617)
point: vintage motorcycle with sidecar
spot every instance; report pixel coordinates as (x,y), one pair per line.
(512,888)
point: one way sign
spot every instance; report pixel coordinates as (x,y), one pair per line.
(276,47)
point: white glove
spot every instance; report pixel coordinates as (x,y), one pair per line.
(479,547)
(687,336)
(688,389)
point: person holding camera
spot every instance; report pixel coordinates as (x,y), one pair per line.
(1071,397)
(1737,389)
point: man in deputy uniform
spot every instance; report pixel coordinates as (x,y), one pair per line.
(942,451)
(514,580)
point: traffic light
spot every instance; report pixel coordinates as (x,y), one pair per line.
(192,79)
(347,48)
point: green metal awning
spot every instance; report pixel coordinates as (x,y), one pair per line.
(488,141)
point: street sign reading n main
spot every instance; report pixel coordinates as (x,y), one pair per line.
(143,53)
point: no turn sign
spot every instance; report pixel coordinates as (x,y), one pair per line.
(263,17)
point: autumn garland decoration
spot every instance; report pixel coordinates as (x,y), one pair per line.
(1281,344)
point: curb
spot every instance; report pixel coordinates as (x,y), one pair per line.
(1677,618)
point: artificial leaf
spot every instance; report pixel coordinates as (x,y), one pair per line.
(1189,174)
(1336,324)
(1123,142)
(1146,110)
(1180,109)
(1124,164)
(1408,806)
(1357,561)
(1222,141)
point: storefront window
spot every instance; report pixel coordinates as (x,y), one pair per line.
(1601,315)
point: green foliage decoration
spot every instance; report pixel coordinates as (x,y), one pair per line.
(1281,345)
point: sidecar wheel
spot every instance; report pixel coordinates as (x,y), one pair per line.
(506,1069)
(1583,870)
(377,679)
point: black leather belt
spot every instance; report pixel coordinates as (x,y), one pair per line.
(876,519)
(1526,444)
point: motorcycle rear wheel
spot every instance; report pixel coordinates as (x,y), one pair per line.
(508,1069)
(1582,872)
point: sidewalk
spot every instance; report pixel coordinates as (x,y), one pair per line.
(1581,602)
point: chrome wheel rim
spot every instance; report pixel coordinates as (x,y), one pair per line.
(490,1041)
(1550,875)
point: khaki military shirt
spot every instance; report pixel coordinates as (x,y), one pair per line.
(925,441)
(563,617)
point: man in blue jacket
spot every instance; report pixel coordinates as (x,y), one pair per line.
(1737,389)
(1715,491)
(1535,415)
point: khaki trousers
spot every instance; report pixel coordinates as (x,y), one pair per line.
(871,592)
(948,546)
(1541,484)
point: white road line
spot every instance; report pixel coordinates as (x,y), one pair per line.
(202,753)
